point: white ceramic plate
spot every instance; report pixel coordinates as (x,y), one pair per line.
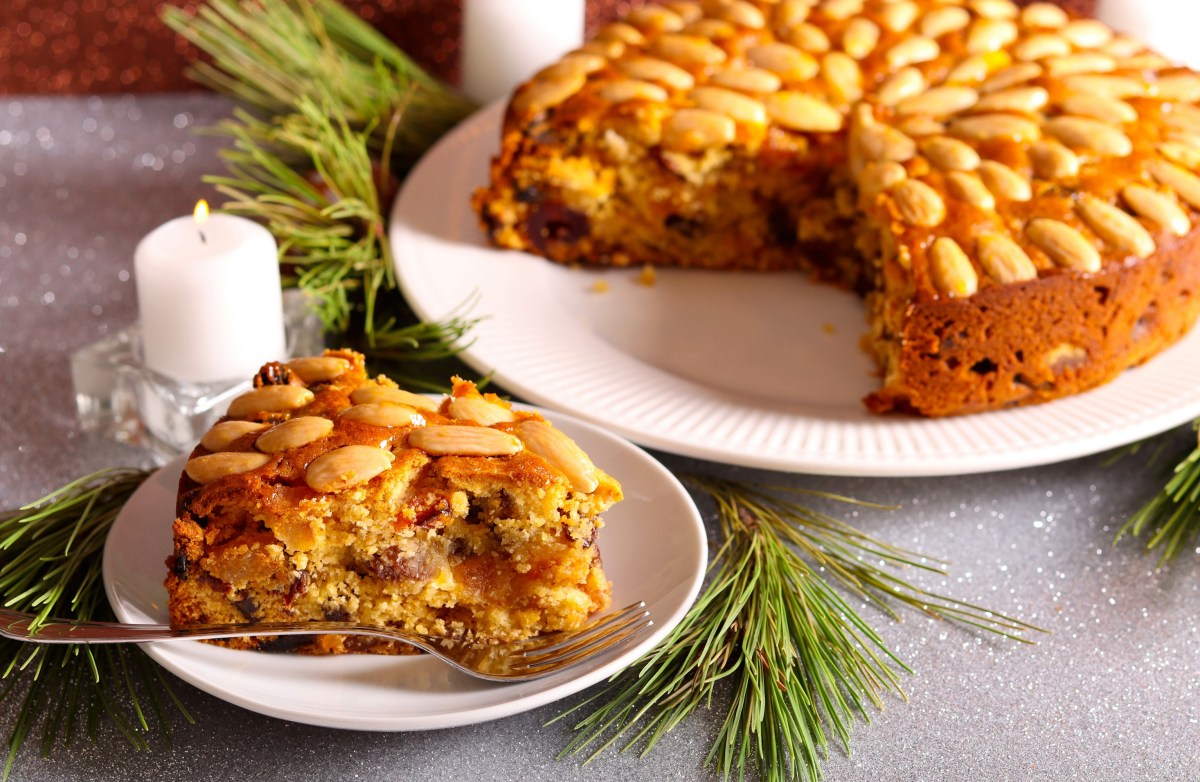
(762,370)
(654,550)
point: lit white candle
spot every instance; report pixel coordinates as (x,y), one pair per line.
(507,41)
(209,297)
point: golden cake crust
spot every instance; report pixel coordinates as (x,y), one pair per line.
(986,173)
(328,495)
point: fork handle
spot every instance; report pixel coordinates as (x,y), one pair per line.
(119,633)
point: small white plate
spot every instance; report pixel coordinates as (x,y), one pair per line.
(762,370)
(654,549)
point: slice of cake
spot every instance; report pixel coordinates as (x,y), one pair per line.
(1013,189)
(327,495)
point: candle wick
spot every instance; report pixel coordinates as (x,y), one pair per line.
(202,239)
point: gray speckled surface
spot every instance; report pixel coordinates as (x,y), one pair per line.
(1111,694)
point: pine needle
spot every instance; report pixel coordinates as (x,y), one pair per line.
(275,55)
(769,633)
(1172,517)
(52,557)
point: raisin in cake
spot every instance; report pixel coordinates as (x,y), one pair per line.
(1014,190)
(327,495)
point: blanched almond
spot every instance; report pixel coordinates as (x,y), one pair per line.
(912,50)
(464,441)
(809,38)
(990,35)
(738,12)
(318,369)
(561,451)
(1115,226)
(983,127)
(951,269)
(879,176)
(294,433)
(625,90)
(1081,62)
(860,37)
(748,80)
(994,9)
(1111,110)
(1004,182)
(385,414)
(658,71)
(1066,246)
(1004,260)
(347,466)
(900,85)
(1012,76)
(480,410)
(1037,47)
(655,19)
(918,203)
(696,130)
(939,101)
(899,16)
(1026,100)
(944,19)
(1044,15)
(1185,184)
(1089,134)
(843,76)
(1087,33)
(387,395)
(689,50)
(1158,208)
(950,154)
(538,96)
(969,188)
(797,111)
(882,142)
(206,469)
(269,399)
(1051,160)
(734,105)
(1111,86)
(788,62)
(222,435)
(1178,86)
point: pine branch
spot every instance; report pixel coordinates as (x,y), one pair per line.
(52,557)
(274,55)
(1171,517)
(798,664)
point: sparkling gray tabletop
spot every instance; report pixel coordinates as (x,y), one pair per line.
(1110,694)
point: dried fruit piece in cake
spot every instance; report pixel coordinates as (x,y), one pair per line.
(999,181)
(328,495)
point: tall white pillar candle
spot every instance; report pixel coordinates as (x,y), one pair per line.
(507,41)
(209,298)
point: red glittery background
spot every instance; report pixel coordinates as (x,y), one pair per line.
(69,46)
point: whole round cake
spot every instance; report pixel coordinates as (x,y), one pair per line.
(1013,189)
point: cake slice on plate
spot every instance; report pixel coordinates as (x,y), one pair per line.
(327,495)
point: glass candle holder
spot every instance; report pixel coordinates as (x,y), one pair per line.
(118,397)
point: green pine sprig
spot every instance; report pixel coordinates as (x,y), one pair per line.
(52,567)
(275,55)
(1171,519)
(771,637)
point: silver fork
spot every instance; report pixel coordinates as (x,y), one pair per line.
(518,661)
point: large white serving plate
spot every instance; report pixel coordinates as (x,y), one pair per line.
(654,550)
(762,370)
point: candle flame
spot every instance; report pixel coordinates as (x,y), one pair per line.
(201,212)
